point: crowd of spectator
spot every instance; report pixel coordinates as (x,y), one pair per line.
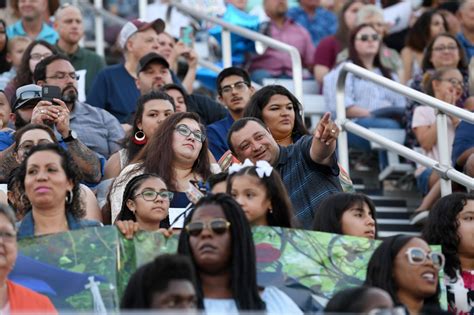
(84,144)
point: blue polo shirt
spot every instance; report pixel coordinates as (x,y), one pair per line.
(467,45)
(463,140)
(47,32)
(217,136)
(6,139)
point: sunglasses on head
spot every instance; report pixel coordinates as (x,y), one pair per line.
(217,226)
(366,37)
(417,256)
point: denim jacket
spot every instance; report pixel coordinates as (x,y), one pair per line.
(26,227)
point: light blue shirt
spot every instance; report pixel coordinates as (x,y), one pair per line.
(47,33)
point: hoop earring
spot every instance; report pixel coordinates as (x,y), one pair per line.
(139,138)
(69,197)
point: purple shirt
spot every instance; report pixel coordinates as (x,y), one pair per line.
(278,62)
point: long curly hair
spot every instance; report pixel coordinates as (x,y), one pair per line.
(442,228)
(158,158)
(70,169)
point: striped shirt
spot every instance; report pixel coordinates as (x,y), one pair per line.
(360,92)
(308,183)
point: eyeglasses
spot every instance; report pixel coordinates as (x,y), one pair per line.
(454,82)
(367,37)
(28,145)
(151,195)
(399,310)
(417,256)
(63,75)
(185,131)
(38,56)
(443,48)
(218,226)
(7,236)
(239,86)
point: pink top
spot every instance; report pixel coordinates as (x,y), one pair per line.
(425,116)
(279,62)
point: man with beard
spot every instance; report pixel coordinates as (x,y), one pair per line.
(95,127)
(274,63)
(30,107)
(234,90)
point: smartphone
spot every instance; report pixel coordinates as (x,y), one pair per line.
(51,91)
(186,35)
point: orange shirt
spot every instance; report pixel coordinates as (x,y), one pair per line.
(22,299)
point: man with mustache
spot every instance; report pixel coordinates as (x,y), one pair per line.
(95,127)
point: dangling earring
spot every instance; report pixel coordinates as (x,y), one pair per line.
(139,138)
(270,210)
(69,196)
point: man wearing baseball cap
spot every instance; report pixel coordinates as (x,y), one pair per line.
(153,73)
(114,87)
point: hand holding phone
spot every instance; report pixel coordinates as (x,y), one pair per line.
(49,92)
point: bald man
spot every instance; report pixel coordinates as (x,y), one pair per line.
(68,24)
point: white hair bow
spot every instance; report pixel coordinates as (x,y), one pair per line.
(263,169)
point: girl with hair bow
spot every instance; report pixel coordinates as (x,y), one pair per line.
(261,193)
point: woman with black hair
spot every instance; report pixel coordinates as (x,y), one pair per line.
(407,269)
(146,202)
(280,110)
(451,225)
(152,108)
(49,179)
(179,96)
(217,237)
(348,214)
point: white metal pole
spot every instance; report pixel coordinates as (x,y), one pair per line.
(142,5)
(99,29)
(443,145)
(342,143)
(226,48)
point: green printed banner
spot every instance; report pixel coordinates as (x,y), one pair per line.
(88,269)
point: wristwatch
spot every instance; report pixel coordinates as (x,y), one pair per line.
(71,136)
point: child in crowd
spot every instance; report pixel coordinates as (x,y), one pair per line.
(348,214)
(146,202)
(261,193)
(15,49)
(218,183)
(168,282)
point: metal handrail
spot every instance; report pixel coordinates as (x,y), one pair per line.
(443,167)
(228,28)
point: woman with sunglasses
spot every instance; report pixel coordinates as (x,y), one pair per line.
(451,225)
(146,201)
(218,238)
(407,269)
(178,155)
(446,84)
(367,103)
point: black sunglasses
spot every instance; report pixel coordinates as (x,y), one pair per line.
(218,226)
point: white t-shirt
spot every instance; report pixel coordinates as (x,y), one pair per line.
(277,302)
